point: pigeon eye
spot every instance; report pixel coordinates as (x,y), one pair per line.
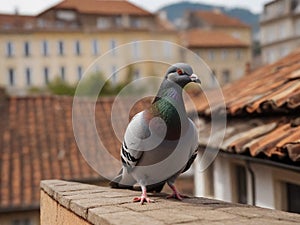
(180,71)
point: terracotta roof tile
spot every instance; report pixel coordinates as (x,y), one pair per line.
(272,88)
(10,22)
(271,97)
(37,142)
(104,7)
(218,19)
(200,38)
(13,22)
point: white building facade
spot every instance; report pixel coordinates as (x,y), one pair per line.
(279,29)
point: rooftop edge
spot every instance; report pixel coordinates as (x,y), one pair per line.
(90,204)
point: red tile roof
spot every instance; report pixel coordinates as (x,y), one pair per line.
(200,38)
(275,139)
(37,142)
(13,22)
(10,21)
(218,19)
(269,100)
(273,88)
(104,7)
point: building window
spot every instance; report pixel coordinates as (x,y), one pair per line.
(118,21)
(238,54)
(21,222)
(9,49)
(46,75)
(293,198)
(283,31)
(63,73)
(26,48)
(114,75)
(61,48)
(136,50)
(45,48)
(66,15)
(28,76)
(102,23)
(11,76)
(79,72)
(272,56)
(283,51)
(41,23)
(77,48)
(60,24)
(224,54)
(113,45)
(135,22)
(211,55)
(226,76)
(136,74)
(241,184)
(95,47)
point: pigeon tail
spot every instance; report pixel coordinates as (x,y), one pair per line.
(123,181)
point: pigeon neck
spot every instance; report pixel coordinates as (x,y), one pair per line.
(170,93)
(169,106)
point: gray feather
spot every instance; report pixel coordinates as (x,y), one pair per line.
(150,158)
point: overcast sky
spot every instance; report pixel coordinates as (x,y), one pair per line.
(36,6)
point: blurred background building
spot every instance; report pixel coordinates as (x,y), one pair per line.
(223,42)
(280,29)
(64,40)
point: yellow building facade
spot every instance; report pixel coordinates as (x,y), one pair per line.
(223,42)
(65,40)
(227,57)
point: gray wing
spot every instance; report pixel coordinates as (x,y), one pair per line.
(139,137)
(136,132)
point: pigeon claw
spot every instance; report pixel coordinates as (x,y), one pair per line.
(143,199)
(177,195)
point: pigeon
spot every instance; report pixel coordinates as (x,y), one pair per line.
(160,142)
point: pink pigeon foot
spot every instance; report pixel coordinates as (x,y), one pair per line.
(143,198)
(176,194)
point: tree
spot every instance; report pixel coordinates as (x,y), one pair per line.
(60,87)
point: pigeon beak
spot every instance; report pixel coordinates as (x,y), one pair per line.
(194,78)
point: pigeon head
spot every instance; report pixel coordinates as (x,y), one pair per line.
(181,74)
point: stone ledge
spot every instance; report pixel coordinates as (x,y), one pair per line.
(102,205)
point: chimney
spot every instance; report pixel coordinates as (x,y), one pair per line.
(247,68)
(217,10)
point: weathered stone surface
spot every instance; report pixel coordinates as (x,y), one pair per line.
(130,218)
(101,205)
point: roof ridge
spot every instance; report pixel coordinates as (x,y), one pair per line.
(198,37)
(91,6)
(210,16)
